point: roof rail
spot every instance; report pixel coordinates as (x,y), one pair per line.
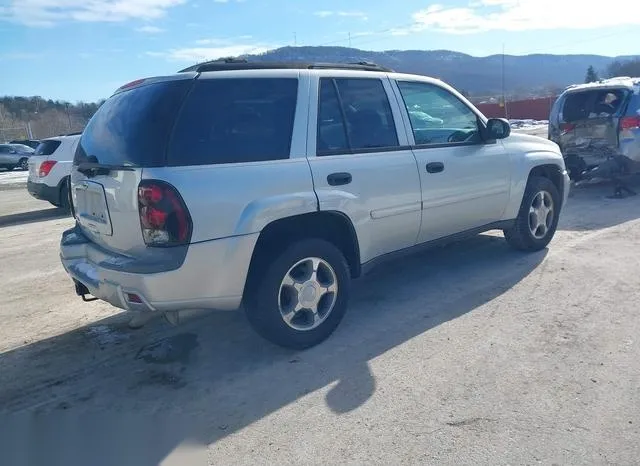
(70,134)
(241,64)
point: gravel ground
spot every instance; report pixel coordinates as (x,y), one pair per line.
(468,354)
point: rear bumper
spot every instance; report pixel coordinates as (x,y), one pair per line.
(212,275)
(44,192)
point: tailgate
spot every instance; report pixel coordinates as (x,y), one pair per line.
(106,208)
(34,166)
(594,137)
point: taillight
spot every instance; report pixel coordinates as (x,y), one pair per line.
(164,218)
(45,168)
(632,122)
(567,127)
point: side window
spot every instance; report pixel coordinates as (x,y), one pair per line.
(354,115)
(4,149)
(437,116)
(235,120)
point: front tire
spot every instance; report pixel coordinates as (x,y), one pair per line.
(298,299)
(537,219)
(24,164)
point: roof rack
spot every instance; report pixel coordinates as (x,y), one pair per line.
(241,64)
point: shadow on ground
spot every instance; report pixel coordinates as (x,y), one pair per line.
(590,206)
(213,376)
(32,217)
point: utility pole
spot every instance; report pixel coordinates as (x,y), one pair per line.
(504,98)
(295,39)
(349,40)
(66,105)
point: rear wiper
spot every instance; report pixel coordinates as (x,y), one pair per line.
(92,169)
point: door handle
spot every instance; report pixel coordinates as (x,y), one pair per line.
(435,167)
(337,179)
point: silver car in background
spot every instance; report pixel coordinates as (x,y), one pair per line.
(15,155)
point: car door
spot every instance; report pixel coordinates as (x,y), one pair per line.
(465,180)
(361,163)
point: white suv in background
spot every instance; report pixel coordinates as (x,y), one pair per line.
(272,186)
(50,167)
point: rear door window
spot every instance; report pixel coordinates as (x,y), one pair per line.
(354,115)
(234,120)
(47,147)
(133,127)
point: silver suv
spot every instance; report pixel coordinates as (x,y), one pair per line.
(271,186)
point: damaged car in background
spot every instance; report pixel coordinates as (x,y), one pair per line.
(597,127)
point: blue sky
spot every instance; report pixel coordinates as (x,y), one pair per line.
(83,50)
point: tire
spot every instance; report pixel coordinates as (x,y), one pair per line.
(528,232)
(24,164)
(268,293)
(64,196)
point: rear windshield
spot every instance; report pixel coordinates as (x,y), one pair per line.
(235,120)
(47,147)
(133,127)
(596,103)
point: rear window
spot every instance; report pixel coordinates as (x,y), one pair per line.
(47,147)
(235,120)
(595,103)
(133,127)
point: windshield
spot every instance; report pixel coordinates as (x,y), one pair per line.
(133,127)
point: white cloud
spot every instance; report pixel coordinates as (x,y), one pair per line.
(50,12)
(344,14)
(527,15)
(200,54)
(150,29)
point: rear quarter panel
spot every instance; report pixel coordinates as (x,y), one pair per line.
(239,199)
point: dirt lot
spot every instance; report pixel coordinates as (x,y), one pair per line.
(469,354)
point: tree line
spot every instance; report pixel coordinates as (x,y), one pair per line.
(616,69)
(24,117)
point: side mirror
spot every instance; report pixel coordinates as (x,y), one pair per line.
(497,128)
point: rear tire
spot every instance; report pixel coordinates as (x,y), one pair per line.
(298,299)
(537,219)
(64,196)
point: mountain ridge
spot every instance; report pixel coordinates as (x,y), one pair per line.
(527,75)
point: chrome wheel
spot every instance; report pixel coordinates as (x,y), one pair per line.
(308,294)
(541,213)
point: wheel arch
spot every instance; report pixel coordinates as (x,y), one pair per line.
(332,226)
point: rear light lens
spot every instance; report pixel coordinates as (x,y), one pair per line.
(164,218)
(45,168)
(567,127)
(632,122)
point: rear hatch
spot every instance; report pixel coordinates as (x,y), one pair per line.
(589,122)
(128,133)
(41,154)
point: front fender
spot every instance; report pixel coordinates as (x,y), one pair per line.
(522,165)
